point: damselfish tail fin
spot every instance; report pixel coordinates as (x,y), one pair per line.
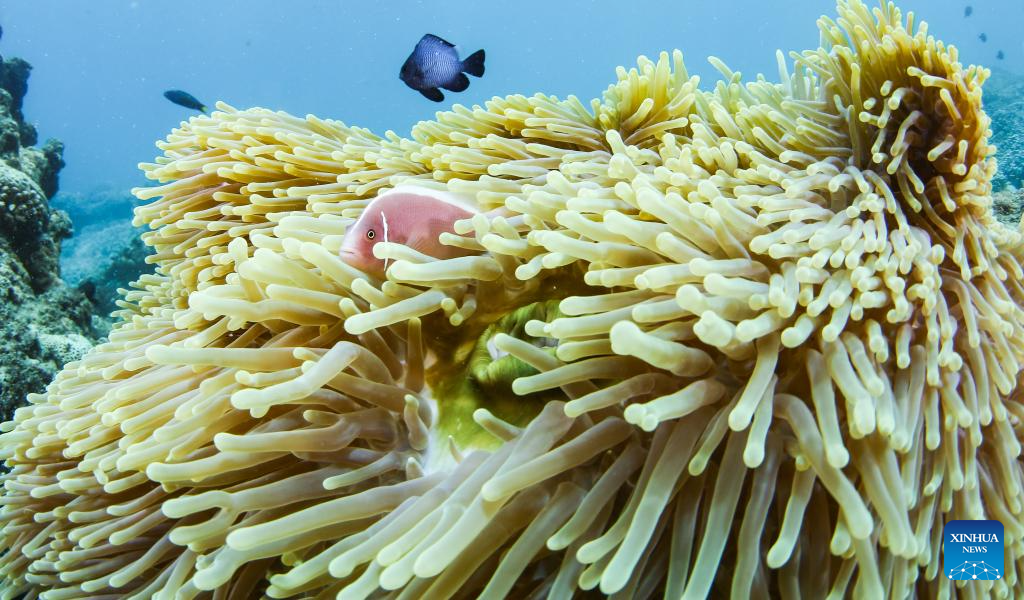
(474,64)
(203,110)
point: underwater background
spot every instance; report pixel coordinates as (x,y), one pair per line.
(82,105)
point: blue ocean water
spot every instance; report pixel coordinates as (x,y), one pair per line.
(100,68)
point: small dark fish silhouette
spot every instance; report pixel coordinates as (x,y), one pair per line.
(968,11)
(434,63)
(983,38)
(1,32)
(88,287)
(1000,55)
(185,99)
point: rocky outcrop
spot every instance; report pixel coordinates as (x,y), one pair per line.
(44,322)
(102,257)
(1007,206)
(1004,103)
(106,253)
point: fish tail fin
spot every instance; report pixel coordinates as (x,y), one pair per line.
(203,110)
(474,64)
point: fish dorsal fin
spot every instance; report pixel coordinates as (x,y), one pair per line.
(433,38)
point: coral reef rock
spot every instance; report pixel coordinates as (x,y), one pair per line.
(106,253)
(757,339)
(1008,205)
(1004,103)
(102,205)
(44,323)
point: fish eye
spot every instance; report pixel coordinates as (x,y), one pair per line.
(370,234)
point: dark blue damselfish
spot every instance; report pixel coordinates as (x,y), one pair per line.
(434,64)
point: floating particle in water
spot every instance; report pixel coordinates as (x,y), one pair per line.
(1000,55)
(968,10)
(983,37)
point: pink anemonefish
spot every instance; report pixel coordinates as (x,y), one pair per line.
(409,215)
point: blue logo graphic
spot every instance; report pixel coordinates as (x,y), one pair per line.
(973,550)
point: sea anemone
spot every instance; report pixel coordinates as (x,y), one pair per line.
(761,341)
